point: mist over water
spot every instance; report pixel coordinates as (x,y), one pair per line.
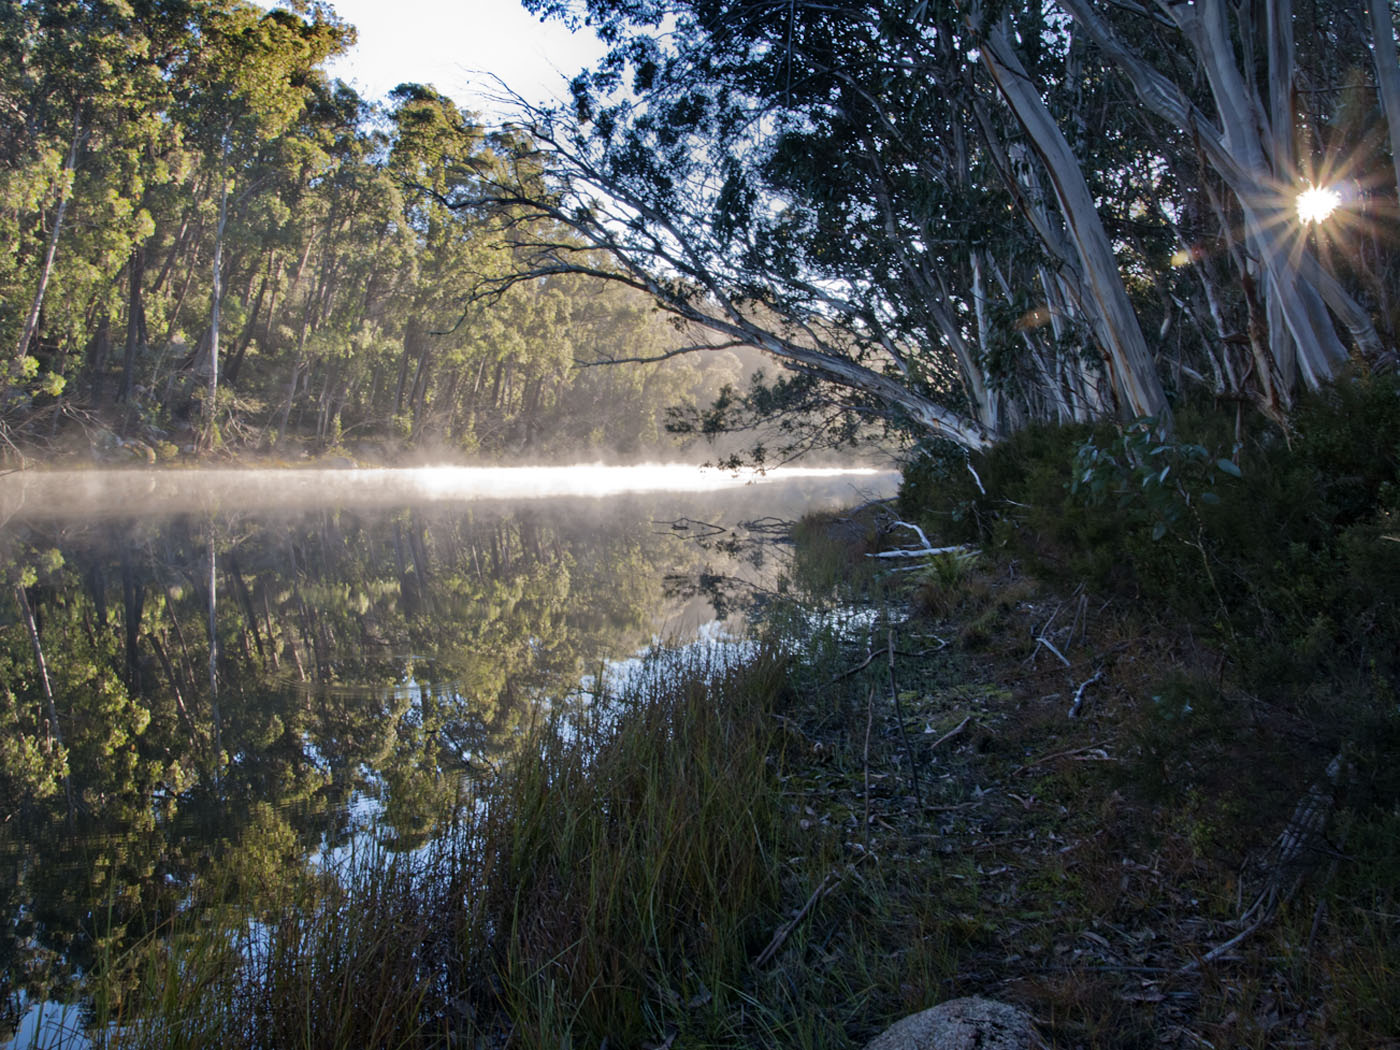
(138,493)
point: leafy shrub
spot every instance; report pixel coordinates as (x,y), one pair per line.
(1282,549)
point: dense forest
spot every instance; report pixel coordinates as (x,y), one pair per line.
(208,242)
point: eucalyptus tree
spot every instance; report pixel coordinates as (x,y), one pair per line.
(1232,87)
(855,191)
(244,83)
(343,209)
(82,92)
(964,215)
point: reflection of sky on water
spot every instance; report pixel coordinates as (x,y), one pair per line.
(49,1026)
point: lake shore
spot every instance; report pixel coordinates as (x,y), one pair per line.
(959,781)
(1123,761)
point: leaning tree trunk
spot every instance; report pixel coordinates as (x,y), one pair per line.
(1135,381)
(1387,78)
(1294,284)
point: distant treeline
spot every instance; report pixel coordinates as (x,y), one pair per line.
(207,241)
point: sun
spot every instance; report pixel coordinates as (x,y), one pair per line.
(1316,203)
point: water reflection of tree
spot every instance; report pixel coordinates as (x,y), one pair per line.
(378,656)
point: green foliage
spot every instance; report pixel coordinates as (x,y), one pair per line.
(147,141)
(1282,557)
(1152,481)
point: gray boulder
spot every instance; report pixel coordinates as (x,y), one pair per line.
(962,1024)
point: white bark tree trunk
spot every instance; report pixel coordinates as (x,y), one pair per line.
(1135,381)
(65,192)
(1387,77)
(217,297)
(1234,146)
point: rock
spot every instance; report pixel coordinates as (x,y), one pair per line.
(962,1024)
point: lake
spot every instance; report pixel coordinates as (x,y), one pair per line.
(215,671)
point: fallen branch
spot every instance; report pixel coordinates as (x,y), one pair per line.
(1291,857)
(951,733)
(1067,754)
(960,549)
(1221,949)
(1079,693)
(860,666)
(785,930)
(1051,646)
(927,550)
(1293,854)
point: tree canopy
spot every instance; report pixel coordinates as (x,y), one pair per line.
(208,242)
(965,218)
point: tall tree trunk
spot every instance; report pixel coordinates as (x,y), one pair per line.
(65,187)
(1387,78)
(98,354)
(298,365)
(135,321)
(410,338)
(216,296)
(245,338)
(1235,150)
(418,401)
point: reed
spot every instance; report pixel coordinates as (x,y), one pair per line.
(612,884)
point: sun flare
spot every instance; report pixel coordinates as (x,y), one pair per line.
(1316,203)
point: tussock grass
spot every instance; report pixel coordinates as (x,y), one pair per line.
(612,885)
(640,872)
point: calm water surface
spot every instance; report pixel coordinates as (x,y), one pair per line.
(234,670)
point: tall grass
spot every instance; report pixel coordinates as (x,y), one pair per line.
(613,884)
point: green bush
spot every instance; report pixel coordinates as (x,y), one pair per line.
(1279,548)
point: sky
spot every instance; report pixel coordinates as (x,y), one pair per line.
(455,44)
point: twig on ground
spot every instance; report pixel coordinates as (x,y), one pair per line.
(1051,646)
(1079,693)
(942,644)
(869,721)
(903,730)
(785,930)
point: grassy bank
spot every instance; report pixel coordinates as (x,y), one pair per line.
(1131,766)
